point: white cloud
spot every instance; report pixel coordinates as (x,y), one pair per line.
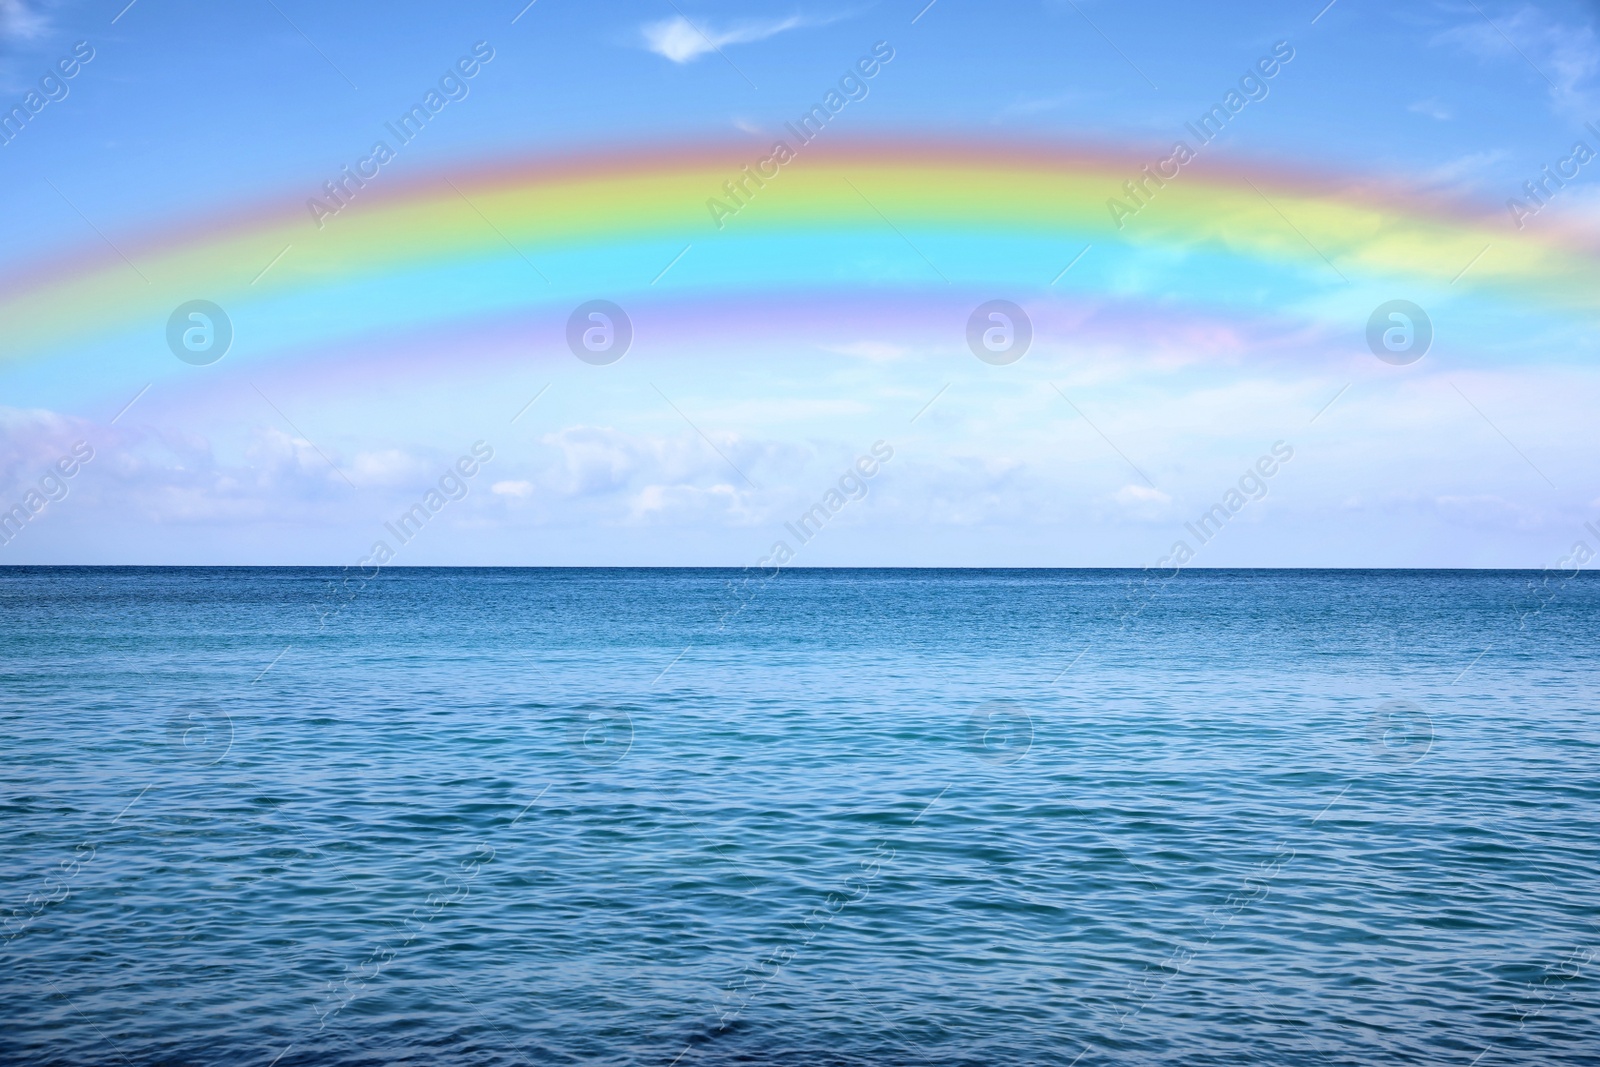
(518,489)
(1141,494)
(31,438)
(1143,502)
(1567,57)
(1468,171)
(1027,104)
(689,502)
(279,458)
(1431,108)
(681,41)
(388,467)
(18,22)
(600,461)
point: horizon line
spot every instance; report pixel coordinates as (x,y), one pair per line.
(726,567)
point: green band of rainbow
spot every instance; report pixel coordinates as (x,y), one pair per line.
(904,221)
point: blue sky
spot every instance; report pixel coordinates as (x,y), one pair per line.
(189,111)
(188,106)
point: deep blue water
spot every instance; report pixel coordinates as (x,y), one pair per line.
(843,817)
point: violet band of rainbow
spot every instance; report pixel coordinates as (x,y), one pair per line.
(447,255)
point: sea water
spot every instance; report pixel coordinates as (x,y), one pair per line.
(823,817)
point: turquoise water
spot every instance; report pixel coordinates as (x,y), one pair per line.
(841,817)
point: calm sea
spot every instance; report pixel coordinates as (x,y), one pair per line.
(840,817)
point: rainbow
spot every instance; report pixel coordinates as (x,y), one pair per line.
(896,232)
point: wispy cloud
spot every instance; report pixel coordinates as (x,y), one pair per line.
(19,22)
(1431,108)
(1566,57)
(683,41)
(1470,171)
(1141,494)
(389,466)
(1030,104)
(1143,501)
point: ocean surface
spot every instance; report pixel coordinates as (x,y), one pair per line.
(837,817)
